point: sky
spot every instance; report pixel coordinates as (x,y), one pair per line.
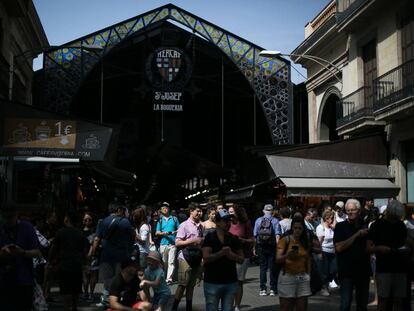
(271,24)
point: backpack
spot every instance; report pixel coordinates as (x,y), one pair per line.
(266,234)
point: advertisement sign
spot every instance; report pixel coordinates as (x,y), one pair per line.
(44,135)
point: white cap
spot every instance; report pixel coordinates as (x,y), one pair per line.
(268,207)
(340,204)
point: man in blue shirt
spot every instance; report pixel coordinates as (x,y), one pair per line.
(167,227)
(117,236)
(267,232)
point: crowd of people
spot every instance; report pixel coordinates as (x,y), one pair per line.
(138,253)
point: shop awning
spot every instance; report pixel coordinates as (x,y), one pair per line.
(310,177)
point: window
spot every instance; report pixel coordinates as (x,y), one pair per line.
(410,170)
(369,57)
(407,38)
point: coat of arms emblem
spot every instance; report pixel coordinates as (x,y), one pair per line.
(168,63)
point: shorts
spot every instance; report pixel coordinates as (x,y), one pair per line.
(107,271)
(391,284)
(188,276)
(161,299)
(242,269)
(70,281)
(293,285)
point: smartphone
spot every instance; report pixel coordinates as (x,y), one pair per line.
(295,248)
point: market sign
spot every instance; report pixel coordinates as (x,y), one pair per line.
(168,70)
(54,138)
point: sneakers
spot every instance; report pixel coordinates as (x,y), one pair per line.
(263,293)
(324,292)
(272,292)
(102,305)
(236,309)
(333,284)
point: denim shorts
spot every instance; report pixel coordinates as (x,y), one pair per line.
(293,285)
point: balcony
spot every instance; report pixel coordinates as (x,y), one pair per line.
(346,8)
(355,112)
(394,92)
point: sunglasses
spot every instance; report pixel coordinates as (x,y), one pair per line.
(87,219)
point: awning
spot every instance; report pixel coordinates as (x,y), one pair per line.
(340,187)
(310,177)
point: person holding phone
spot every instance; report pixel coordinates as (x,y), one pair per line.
(294,278)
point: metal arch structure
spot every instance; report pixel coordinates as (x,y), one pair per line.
(66,66)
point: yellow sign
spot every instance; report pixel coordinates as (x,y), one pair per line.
(39,133)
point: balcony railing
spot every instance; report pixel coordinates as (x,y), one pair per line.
(345,8)
(354,106)
(394,86)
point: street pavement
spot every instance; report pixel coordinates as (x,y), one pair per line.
(251,299)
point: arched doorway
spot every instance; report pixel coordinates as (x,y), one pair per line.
(328,115)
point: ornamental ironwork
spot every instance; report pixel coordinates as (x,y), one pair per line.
(66,67)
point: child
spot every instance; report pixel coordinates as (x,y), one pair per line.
(155,278)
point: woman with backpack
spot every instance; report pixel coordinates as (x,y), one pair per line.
(293,253)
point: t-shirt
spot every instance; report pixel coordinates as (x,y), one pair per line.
(144,234)
(223,270)
(18,270)
(152,275)
(245,231)
(285,225)
(354,261)
(126,292)
(394,235)
(298,264)
(327,234)
(167,224)
(118,246)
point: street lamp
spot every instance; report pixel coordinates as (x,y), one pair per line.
(316,59)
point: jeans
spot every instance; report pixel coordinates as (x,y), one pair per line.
(168,253)
(328,267)
(215,292)
(361,285)
(267,262)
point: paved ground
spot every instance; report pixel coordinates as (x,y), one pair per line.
(251,299)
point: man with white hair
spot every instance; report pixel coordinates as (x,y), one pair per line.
(267,232)
(354,268)
(387,239)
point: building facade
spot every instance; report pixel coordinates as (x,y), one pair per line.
(21,38)
(361,78)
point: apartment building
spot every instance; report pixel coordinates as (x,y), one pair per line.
(359,55)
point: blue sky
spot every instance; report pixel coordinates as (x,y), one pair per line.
(271,24)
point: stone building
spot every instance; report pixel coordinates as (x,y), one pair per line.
(361,78)
(21,38)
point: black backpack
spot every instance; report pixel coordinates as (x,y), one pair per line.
(266,234)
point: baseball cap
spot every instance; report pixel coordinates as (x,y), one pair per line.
(165,204)
(223,214)
(340,204)
(268,208)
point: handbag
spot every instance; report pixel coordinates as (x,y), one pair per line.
(193,255)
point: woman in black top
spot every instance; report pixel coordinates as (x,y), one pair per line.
(221,252)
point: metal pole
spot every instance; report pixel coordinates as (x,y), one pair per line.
(11,76)
(102,90)
(222,112)
(254,119)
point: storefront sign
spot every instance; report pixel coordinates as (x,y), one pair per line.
(168,70)
(54,138)
(38,133)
